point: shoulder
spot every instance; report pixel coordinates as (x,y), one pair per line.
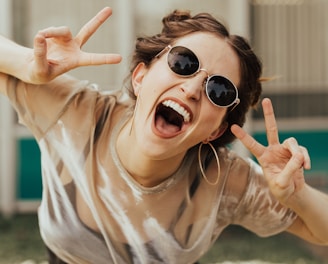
(238,171)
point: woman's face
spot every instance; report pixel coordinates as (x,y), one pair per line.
(164,98)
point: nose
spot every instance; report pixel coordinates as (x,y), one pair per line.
(193,86)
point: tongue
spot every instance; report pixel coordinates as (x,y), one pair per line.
(166,128)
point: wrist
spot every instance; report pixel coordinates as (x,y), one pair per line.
(304,199)
(297,200)
(15,59)
(22,68)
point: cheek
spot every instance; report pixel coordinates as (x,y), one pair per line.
(212,116)
(156,80)
(154,84)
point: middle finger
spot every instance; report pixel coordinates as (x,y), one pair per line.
(270,122)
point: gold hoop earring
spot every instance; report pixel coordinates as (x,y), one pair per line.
(201,165)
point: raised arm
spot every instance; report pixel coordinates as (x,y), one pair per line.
(12,59)
(283,165)
(55,52)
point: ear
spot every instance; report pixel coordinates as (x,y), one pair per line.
(137,77)
(218,132)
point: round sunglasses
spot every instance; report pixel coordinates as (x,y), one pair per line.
(183,62)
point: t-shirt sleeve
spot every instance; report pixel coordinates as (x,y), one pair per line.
(39,106)
(258,210)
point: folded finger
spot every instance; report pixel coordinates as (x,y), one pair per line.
(292,145)
(40,54)
(294,166)
(307,159)
(89,28)
(56,32)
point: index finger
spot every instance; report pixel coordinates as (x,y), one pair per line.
(248,141)
(91,27)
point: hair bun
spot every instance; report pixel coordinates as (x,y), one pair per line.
(177,15)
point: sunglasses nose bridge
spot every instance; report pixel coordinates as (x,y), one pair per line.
(204,70)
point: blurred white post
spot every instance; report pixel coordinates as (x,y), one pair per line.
(7,135)
(239,17)
(239,24)
(126,33)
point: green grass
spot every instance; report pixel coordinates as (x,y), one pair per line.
(237,244)
(20,240)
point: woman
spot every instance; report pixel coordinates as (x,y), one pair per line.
(147,178)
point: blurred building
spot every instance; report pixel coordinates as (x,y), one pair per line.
(290,36)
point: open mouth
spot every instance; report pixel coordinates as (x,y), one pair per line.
(170,118)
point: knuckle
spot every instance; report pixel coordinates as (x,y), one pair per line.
(291,140)
(65,29)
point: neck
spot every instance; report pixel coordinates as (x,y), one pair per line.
(147,171)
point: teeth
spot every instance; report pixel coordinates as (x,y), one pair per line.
(178,108)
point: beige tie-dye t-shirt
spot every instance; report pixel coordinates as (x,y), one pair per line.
(177,221)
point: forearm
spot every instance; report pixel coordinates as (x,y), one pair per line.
(14,59)
(311,206)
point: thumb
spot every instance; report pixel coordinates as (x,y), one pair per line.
(292,168)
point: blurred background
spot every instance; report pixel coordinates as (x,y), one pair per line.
(290,36)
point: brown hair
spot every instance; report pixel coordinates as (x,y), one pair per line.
(180,23)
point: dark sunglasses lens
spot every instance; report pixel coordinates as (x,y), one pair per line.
(221,91)
(182,61)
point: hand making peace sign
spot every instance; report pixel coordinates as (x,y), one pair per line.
(56,51)
(282,163)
